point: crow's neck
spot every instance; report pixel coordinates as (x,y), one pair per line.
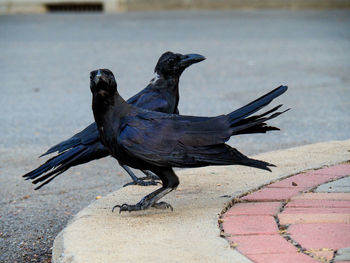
(169,83)
(108,111)
(166,81)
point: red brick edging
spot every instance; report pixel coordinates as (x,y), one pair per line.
(282,223)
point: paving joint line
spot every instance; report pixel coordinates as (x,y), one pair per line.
(286,234)
(237,199)
(282,229)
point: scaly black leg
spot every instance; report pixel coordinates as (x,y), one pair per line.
(135,179)
(149,176)
(170,182)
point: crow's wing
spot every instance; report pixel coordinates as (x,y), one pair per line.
(154,99)
(172,140)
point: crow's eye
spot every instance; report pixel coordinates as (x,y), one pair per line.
(171,61)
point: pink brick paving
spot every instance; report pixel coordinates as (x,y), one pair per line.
(283,222)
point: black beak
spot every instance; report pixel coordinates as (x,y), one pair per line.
(97,77)
(189,59)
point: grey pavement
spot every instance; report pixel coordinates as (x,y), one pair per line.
(338,186)
(45,62)
(342,254)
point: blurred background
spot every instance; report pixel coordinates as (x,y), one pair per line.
(48,48)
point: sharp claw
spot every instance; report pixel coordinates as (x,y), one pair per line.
(120,207)
(131,183)
(115,207)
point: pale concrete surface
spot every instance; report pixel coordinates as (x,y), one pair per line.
(190,233)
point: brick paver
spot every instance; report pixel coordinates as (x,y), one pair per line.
(316,210)
(337,170)
(318,222)
(262,244)
(318,203)
(273,194)
(303,180)
(248,225)
(317,236)
(282,258)
(323,196)
(286,219)
(254,208)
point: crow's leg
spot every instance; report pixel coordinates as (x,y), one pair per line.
(149,176)
(135,179)
(170,182)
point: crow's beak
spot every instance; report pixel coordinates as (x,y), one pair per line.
(189,59)
(98,74)
(97,77)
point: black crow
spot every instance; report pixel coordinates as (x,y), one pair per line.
(162,94)
(157,142)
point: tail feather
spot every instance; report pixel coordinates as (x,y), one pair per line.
(53,162)
(62,146)
(241,159)
(221,154)
(258,164)
(50,179)
(255,124)
(62,162)
(255,105)
(63,166)
(87,136)
(241,121)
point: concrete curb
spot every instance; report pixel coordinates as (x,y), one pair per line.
(190,233)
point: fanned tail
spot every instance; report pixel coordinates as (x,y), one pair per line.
(246,161)
(53,162)
(241,123)
(62,162)
(86,136)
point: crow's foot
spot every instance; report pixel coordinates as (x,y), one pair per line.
(163,205)
(141,182)
(126,207)
(142,206)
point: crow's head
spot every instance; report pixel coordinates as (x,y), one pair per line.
(172,65)
(102,82)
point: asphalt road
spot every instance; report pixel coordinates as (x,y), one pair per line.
(45,62)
